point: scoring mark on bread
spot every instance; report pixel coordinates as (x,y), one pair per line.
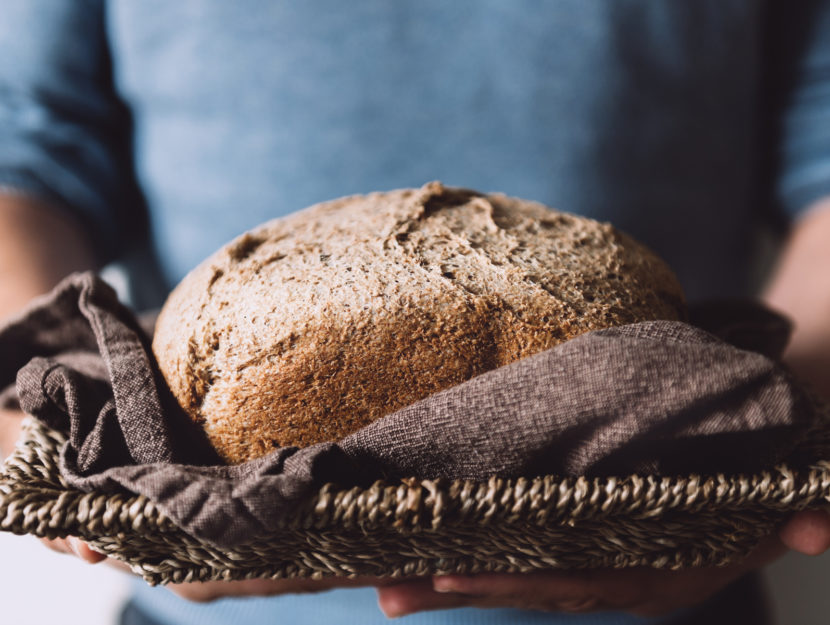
(244,246)
(218,272)
(446,198)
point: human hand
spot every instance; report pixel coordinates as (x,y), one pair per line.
(77,547)
(10,425)
(641,591)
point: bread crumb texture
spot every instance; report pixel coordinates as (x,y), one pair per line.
(314,325)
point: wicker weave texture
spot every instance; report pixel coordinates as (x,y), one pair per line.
(426,527)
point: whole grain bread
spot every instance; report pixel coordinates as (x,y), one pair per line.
(311,326)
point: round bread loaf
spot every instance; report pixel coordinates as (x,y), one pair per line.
(314,325)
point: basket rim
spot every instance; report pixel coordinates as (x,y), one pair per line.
(35,499)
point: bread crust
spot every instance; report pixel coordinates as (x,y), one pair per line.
(316,324)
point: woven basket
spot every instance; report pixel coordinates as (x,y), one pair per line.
(428,527)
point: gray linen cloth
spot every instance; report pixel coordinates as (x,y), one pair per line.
(654,397)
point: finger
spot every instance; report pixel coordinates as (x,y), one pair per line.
(563,591)
(550,589)
(807,532)
(74,546)
(417,596)
(202,592)
(569,591)
(84,551)
(56,544)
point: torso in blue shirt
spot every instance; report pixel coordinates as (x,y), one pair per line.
(641,113)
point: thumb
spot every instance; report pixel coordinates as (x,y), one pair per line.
(84,551)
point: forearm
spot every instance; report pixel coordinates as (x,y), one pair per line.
(38,246)
(800,288)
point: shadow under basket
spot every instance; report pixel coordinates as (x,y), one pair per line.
(422,527)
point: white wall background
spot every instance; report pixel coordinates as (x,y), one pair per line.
(41,587)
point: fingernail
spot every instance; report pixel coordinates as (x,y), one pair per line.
(393,612)
(442,583)
(74,546)
(389,604)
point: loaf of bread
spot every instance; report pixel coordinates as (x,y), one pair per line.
(312,326)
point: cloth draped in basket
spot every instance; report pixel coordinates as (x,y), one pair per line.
(653,397)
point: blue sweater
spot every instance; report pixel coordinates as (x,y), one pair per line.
(691,124)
